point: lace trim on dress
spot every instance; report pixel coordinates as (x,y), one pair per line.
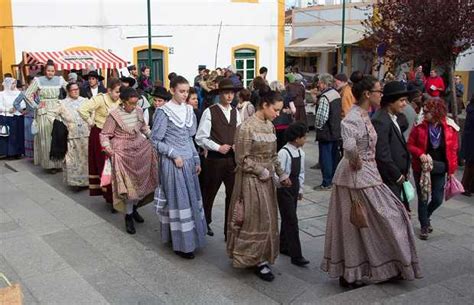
(176,119)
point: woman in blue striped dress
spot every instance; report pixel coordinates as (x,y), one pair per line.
(178,197)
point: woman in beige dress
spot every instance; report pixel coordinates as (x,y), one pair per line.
(254,242)
(385,249)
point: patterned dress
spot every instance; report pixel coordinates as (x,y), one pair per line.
(75,166)
(178,198)
(134,172)
(386,248)
(257,240)
(45,114)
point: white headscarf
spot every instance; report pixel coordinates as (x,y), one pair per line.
(9,84)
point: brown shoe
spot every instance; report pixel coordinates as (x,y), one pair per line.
(424,233)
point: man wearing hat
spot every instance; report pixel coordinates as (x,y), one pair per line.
(160,97)
(216,135)
(392,157)
(93,86)
(341,83)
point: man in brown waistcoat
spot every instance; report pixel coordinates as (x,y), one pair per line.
(216,135)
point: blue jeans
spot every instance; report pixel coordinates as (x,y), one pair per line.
(426,207)
(328,160)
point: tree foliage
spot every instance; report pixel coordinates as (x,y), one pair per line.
(422,30)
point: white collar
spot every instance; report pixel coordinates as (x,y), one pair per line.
(180,114)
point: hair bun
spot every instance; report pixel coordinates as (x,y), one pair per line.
(50,62)
(356,77)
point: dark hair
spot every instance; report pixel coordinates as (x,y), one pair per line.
(191,91)
(356,76)
(127,93)
(437,108)
(362,83)
(171,76)
(245,94)
(178,80)
(69,85)
(143,68)
(7,75)
(113,83)
(50,62)
(269,97)
(263,70)
(295,131)
(259,83)
(29,79)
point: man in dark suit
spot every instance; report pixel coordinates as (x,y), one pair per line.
(93,85)
(391,154)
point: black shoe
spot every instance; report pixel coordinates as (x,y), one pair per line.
(129,225)
(346,284)
(137,217)
(112,209)
(186,255)
(467,194)
(300,261)
(209,231)
(268,277)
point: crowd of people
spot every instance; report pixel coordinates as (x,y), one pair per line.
(134,142)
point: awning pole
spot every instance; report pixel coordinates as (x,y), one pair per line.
(149,38)
(343,28)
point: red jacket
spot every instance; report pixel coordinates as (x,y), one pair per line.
(437,82)
(418,144)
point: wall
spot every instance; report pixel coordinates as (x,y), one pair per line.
(194,26)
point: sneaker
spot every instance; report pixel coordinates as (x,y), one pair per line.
(424,233)
(322,188)
(265,273)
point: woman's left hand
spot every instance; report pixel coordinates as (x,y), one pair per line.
(198,169)
(286,182)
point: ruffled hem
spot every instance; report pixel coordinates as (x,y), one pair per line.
(365,271)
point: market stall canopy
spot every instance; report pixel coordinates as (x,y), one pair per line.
(68,60)
(327,39)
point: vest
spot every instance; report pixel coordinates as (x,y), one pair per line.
(331,130)
(222,131)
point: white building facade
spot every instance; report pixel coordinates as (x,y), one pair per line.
(248,34)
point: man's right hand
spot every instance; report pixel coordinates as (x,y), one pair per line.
(224,149)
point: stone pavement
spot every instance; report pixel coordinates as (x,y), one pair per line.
(65,247)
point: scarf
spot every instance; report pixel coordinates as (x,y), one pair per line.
(425,179)
(435,135)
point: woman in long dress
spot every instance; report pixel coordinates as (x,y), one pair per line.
(134,173)
(178,197)
(75,166)
(48,88)
(22,105)
(12,143)
(385,249)
(254,243)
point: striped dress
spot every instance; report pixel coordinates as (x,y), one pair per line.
(44,116)
(178,198)
(134,161)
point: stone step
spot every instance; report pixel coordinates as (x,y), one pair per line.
(75,233)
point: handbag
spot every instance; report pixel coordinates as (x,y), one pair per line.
(34,127)
(106,176)
(10,295)
(408,192)
(358,215)
(452,188)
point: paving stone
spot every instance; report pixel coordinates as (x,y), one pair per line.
(310,211)
(30,256)
(63,287)
(434,294)
(4,218)
(361,296)
(463,285)
(13,277)
(464,219)
(317,292)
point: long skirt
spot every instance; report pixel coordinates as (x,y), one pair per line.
(29,137)
(44,120)
(385,249)
(179,206)
(75,166)
(14,144)
(96,166)
(134,171)
(257,240)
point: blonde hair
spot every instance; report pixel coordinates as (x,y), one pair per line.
(277,86)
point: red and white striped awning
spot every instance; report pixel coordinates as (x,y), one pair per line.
(68,60)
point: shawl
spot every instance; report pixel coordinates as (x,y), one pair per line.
(58,141)
(425,179)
